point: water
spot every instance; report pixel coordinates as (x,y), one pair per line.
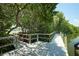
(54,48)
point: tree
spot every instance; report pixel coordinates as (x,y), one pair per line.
(38,17)
(5,23)
(62,25)
(12,11)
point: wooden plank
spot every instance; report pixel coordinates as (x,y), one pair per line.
(29,39)
(34,38)
(7,45)
(37,34)
(3,38)
(52,33)
(24,38)
(44,38)
(31,34)
(37,37)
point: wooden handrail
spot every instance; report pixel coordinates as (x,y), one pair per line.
(7,45)
(40,34)
(10,37)
(3,38)
(37,36)
(44,38)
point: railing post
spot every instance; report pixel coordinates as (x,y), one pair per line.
(65,38)
(16,38)
(37,37)
(29,38)
(49,37)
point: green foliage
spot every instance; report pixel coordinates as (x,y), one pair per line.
(5,23)
(38,17)
(35,17)
(62,25)
(9,15)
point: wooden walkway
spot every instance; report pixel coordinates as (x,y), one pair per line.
(54,48)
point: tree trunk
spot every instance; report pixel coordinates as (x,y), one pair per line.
(11,29)
(17,18)
(17,21)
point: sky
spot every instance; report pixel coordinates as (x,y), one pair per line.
(71,12)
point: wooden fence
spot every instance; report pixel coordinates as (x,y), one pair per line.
(36,36)
(30,38)
(10,38)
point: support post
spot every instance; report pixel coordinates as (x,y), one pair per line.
(29,38)
(65,38)
(49,37)
(37,37)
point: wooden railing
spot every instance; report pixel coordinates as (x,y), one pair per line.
(36,36)
(10,38)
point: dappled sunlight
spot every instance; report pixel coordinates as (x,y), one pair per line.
(53,48)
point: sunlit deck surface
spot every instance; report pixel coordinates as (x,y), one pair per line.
(54,48)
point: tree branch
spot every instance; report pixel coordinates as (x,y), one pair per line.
(11,29)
